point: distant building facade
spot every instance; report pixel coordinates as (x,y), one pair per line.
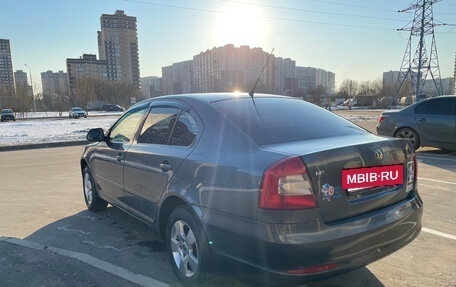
(310,79)
(229,68)
(20,79)
(54,84)
(151,87)
(285,76)
(6,70)
(429,88)
(85,67)
(118,46)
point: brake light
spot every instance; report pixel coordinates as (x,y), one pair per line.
(286,185)
(381,118)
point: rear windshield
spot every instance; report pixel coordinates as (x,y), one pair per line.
(278,120)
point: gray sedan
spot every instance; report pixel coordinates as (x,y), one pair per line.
(431,122)
(272,182)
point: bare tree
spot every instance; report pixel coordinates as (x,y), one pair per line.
(317,94)
(348,88)
(84,92)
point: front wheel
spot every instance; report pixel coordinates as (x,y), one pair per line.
(408,133)
(92,200)
(187,248)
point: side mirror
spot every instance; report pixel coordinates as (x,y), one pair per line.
(95,135)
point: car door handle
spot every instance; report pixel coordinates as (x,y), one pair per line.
(165,166)
(120,157)
(422,120)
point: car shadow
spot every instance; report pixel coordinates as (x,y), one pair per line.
(122,240)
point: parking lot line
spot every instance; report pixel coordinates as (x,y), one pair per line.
(438,233)
(436,180)
(437,157)
(95,262)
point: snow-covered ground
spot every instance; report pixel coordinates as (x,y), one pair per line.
(39,129)
(36,128)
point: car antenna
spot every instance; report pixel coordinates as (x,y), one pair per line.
(252,92)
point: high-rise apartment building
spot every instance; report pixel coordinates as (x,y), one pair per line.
(229,68)
(151,87)
(55,84)
(285,76)
(85,67)
(118,46)
(6,70)
(310,79)
(20,79)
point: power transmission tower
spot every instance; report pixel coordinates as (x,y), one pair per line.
(418,65)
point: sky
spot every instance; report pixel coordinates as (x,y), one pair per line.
(355,39)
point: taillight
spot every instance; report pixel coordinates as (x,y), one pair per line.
(286,185)
(381,118)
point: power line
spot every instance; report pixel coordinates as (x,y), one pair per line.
(260,16)
(310,11)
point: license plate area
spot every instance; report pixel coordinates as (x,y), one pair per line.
(356,179)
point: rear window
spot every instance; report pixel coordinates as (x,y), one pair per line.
(278,120)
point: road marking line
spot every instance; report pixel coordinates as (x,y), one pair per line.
(95,262)
(436,157)
(436,180)
(438,233)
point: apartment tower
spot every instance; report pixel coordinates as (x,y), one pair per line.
(118,46)
(6,71)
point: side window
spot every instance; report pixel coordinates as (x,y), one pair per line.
(158,125)
(440,107)
(421,108)
(124,130)
(436,107)
(184,131)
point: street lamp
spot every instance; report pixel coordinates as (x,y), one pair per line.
(31,85)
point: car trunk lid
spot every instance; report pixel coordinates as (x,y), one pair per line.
(351,175)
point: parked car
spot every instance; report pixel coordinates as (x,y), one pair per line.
(7,115)
(113,108)
(274,182)
(77,113)
(430,122)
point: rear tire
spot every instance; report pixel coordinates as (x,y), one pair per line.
(411,134)
(187,247)
(92,200)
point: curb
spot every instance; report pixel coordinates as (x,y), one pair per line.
(42,145)
(90,260)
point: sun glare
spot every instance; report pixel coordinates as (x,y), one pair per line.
(240,24)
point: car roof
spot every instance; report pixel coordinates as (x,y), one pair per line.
(213,97)
(428,100)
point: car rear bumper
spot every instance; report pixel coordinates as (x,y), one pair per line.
(321,250)
(384,131)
